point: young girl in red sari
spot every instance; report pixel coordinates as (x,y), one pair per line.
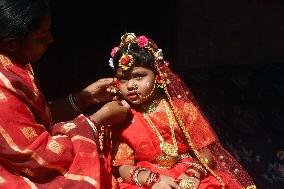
(168,142)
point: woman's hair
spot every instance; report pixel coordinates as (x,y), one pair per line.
(141,56)
(20,17)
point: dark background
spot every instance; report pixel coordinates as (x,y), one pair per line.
(230,53)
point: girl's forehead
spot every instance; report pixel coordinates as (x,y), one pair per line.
(133,69)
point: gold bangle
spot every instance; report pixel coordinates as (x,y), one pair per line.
(71,101)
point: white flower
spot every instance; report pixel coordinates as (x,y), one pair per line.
(111,63)
(159,54)
(130,37)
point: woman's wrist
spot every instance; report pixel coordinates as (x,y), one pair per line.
(80,100)
(98,118)
(74,103)
(93,125)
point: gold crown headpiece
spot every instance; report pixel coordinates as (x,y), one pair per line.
(126,60)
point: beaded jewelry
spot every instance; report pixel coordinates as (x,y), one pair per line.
(134,175)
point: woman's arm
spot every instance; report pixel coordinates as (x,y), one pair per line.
(70,107)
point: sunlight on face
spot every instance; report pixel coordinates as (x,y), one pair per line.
(136,84)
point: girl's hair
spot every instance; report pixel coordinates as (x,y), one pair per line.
(20,17)
(141,56)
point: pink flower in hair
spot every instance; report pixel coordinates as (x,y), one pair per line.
(113,51)
(142,41)
(166,63)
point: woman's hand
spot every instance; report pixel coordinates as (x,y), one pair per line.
(166,183)
(95,93)
(112,113)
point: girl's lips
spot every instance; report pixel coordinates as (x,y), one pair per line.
(133,96)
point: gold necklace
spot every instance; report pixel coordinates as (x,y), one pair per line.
(167,148)
(152,107)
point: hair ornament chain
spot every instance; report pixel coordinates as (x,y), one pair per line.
(126,60)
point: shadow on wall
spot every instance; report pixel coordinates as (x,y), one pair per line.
(245,106)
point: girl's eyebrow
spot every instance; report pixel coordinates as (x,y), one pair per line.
(138,72)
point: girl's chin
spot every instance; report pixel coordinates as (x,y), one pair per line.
(135,102)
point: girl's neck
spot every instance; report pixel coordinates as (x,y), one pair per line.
(153,105)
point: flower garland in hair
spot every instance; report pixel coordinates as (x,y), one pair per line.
(126,60)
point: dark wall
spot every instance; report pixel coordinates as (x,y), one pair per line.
(229,32)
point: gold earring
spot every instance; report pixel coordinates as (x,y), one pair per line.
(134,86)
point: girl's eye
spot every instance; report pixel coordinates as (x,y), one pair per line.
(122,79)
(138,76)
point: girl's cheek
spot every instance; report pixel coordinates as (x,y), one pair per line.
(147,84)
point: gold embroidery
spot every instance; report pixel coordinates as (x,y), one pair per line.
(251,187)
(69,126)
(7,83)
(29,132)
(124,154)
(54,146)
(78,137)
(3,98)
(33,154)
(31,75)
(2,180)
(82,177)
(101,138)
(28,172)
(4,60)
(236,171)
(59,136)
(190,110)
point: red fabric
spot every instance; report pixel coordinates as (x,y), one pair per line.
(32,157)
(193,133)
(145,144)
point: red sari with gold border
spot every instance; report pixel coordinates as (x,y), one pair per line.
(138,144)
(33,153)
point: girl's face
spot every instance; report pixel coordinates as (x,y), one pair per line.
(137,85)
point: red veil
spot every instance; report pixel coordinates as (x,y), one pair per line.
(198,132)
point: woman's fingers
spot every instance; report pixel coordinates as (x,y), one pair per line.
(173,184)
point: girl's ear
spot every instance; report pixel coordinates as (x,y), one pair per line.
(116,83)
(158,82)
(158,79)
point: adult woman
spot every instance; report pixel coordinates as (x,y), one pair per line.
(168,143)
(33,152)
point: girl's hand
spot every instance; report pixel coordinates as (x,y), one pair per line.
(165,183)
(195,181)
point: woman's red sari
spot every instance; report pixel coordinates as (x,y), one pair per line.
(33,153)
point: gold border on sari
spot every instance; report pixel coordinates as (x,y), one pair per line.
(82,178)
(33,154)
